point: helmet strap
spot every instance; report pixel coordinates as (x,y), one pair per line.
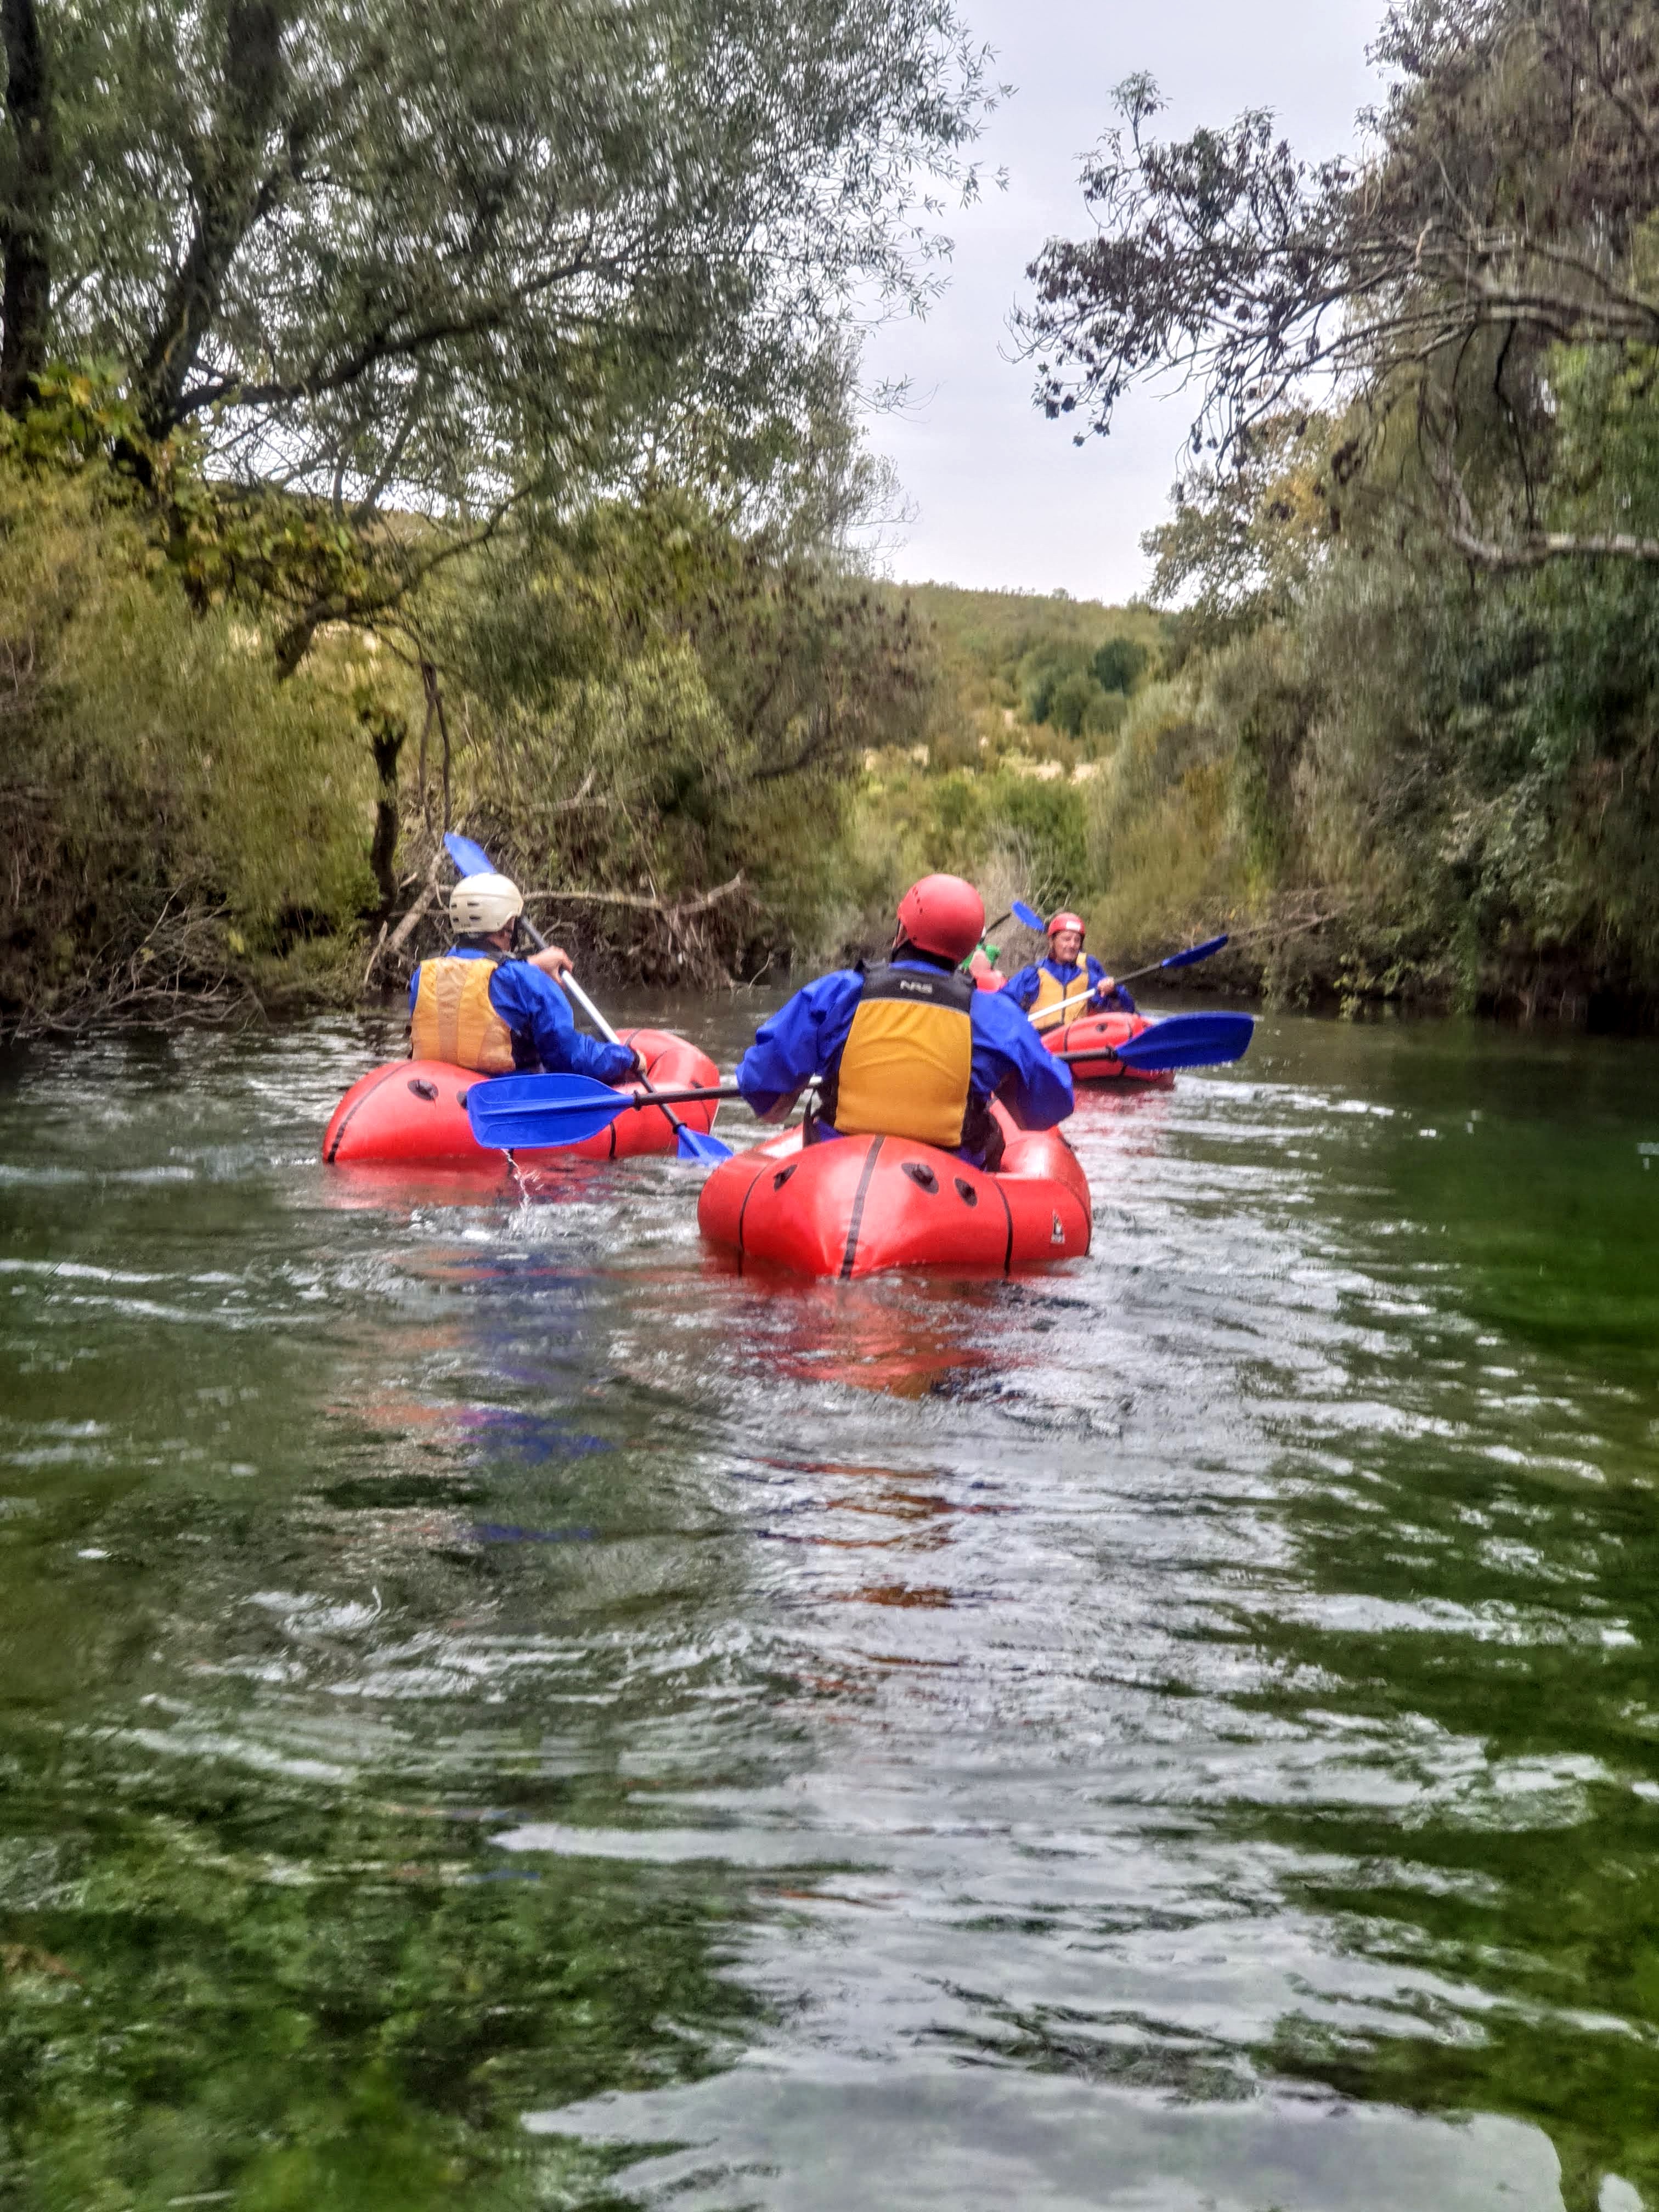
(905,947)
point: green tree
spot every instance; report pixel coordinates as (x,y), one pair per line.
(1504,212)
(1244,540)
(387,253)
(667,706)
(1119,665)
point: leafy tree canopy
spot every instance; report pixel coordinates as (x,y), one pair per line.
(389,251)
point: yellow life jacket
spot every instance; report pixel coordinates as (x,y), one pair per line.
(909,1059)
(454,1019)
(1052,993)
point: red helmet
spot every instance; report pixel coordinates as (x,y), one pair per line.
(942,914)
(1058,921)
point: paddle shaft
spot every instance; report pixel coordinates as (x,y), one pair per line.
(1045,1017)
(569,983)
(1087,990)
(641,1102)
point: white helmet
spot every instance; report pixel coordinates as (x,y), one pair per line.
(480,905)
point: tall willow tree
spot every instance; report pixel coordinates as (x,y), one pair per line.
(399,251)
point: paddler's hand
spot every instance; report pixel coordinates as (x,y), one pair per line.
(779,1111)
(637,1072)
(553,960)
(1104,988)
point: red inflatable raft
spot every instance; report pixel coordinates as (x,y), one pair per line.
(857,1205)
(413,1112)
(1104,1031)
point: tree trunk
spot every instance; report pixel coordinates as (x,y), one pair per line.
(435,705)
(26,300)
(232,190)
(386,738)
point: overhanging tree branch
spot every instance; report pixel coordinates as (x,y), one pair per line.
(1516,164)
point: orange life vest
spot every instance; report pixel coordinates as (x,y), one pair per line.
(454,1019)
(1052,993)
(908,1063)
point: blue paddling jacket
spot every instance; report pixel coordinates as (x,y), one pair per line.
(929,1053)
(1044,986)
(522,1020)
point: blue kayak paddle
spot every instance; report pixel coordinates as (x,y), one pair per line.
(691,1144)
(1182,1040)
(985,945)
(1032,919)
(1186,959)
(532,1113)
(470,860)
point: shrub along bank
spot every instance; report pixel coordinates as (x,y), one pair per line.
(645,707)
(708,752)
(710,755)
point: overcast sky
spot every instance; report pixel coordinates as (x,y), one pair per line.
(1003,498)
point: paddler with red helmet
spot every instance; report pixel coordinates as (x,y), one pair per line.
(479,1006)
(908,1047)
(1066,971)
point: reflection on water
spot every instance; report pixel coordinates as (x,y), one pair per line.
(496,1707)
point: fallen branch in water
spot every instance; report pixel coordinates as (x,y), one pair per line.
(387,948)
(1281,929)
(677,908)
(692,953)
(181,969)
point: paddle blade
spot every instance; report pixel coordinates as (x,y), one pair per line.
(470,860)
(1028,916)
(528,1113)
(1193,952)
(1189,1040)
(700,1145)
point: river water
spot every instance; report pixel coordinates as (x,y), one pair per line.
(497,1711)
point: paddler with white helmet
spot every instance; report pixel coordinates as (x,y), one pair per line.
(1066,971)
(908,1047)
(480,1007)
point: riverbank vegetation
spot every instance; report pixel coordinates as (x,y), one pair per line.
(349,491)
(407,419)
(1414,675)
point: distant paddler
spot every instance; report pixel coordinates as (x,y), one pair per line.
(1066,971)
(908,1047)
(481,1007)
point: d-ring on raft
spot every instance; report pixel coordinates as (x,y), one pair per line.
(412,1113)
(860,1206)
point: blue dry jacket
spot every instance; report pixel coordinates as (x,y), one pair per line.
(1022,988)
(805,1038)
(545,1032)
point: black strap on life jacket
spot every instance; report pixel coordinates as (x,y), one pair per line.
(945,987)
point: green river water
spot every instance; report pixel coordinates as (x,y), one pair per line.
(497,1711)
